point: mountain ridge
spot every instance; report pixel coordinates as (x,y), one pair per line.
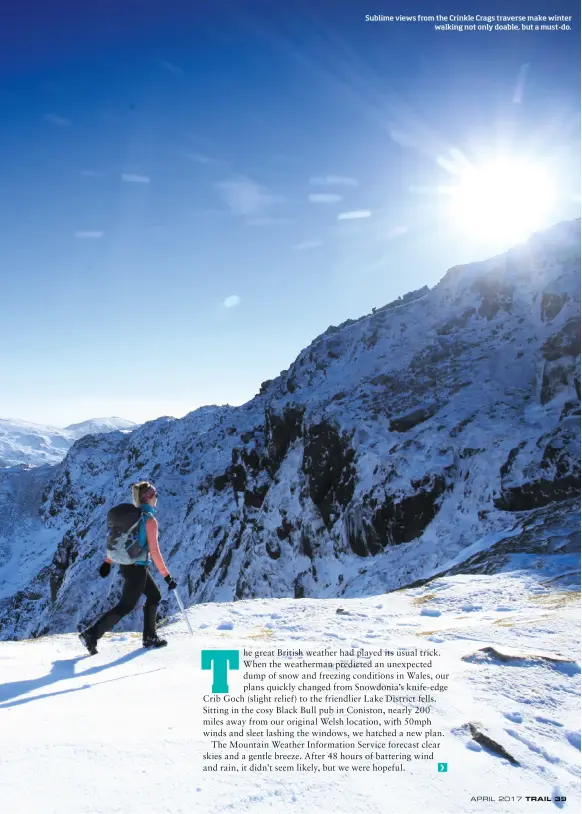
(390,448)
(28,443)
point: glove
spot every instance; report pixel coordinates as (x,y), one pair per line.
(104,569)
(171,583)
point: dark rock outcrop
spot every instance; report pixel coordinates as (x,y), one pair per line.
(328,466)
(408,422)
(281,430)
(489,744)
(566,342)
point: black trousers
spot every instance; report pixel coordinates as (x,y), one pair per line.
(137,581)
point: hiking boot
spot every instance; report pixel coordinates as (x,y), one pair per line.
(89,640)
(154,641)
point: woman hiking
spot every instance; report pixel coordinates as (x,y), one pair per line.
(137,578)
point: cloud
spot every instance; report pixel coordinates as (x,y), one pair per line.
(245,197)
(520,84)
(207,160)
(130,178)
(333,180)
(405,139)
(408,129)
(60,121)
(269,221)
(396,232)
(355,215)
(170,67)
(455,163)
(307,244)
(324,198)
(85,235)
(208,212)
(282,157)
(232,301)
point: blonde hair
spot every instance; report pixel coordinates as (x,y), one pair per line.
(138,490)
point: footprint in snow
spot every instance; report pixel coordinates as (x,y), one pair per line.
(558,793)
(468,608)
(573,738)
(543,720)
(516,717)
(473,746)
(429,612)
(533,747)
(225,626)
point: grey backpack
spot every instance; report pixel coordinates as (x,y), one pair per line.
(123,543)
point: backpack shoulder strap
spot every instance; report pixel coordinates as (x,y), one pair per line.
(145,516)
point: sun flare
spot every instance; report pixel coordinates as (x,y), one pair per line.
(509,199)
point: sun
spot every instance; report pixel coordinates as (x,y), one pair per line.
(507,199)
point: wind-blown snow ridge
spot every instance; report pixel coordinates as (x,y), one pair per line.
(440,428)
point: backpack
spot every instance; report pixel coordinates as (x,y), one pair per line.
(124,546)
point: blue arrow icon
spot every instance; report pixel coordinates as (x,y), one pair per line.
(443,767)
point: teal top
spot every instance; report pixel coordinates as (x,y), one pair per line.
(147,511)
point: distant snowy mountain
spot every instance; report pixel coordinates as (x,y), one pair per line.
(22,442)
(438,434)
(98,425)
(34,444)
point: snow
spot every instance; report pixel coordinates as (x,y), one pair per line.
(243,513)
(31,444)
(121,731)
(413,477)
(98,425)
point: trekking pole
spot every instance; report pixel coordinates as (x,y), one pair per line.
(179,601)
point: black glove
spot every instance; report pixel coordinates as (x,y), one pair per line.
(171,583)
(104,569)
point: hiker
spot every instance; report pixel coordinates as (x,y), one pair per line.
(137,578)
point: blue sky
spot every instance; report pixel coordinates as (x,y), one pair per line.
(191,192)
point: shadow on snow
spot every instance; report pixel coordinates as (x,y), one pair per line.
(62,670)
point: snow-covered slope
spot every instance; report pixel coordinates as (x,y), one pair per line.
(80,734)
(35,444)
(99,425)
(396,446)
